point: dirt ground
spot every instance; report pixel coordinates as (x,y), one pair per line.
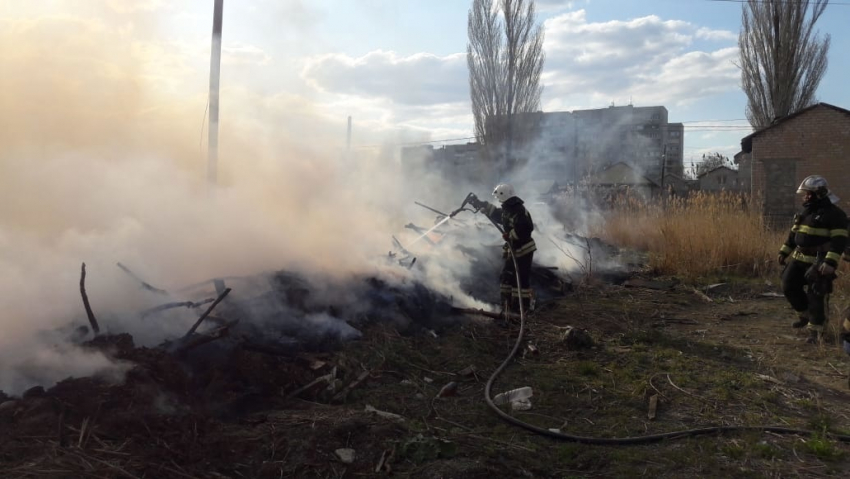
(724,356)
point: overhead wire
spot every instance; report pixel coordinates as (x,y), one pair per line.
(844,4)
(708,127)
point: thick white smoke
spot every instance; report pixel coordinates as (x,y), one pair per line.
(100,163)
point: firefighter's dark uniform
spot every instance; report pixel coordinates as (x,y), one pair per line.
(819,235)
(517,225)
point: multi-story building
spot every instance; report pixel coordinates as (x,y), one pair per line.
(638,136)
(567,147)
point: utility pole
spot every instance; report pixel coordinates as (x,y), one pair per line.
(215,76)
(663,171)
(348,140)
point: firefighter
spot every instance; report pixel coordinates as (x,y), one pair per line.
(815,243)
(517,227)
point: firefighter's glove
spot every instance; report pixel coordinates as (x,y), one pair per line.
(781,259)
(826,269)
(812,274)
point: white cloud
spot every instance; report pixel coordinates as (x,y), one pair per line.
(719,35)
(647,58)
(419,79)
(548,6)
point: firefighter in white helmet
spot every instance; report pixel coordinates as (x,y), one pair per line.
(814,244)
(517,227)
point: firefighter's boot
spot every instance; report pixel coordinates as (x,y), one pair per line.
(802,321)
(815,334)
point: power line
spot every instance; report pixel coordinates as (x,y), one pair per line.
(779,1)
(697,121)
(690,128)
(414,143)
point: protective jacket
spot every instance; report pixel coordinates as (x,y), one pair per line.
(516,223)
(819,233)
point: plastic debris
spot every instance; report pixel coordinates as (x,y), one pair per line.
(345,455)
(384,414)
(519,394)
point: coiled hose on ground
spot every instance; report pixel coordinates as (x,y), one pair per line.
(614,441)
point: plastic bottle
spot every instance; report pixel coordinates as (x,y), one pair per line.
(514,395)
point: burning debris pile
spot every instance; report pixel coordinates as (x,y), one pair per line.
(239,345)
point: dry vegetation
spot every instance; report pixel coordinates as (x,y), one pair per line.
(697,236)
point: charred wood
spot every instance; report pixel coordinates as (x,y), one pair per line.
(270,349)
(144,284)
(89,312)
(489,314)
(200,339)
(326,379)
(206,313)
(340,396)
(178,304)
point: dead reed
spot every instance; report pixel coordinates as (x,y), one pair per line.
(701,235)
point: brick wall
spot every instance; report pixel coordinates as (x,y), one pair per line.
(816,142)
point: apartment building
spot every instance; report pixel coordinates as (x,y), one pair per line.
(567,147)
(641,137)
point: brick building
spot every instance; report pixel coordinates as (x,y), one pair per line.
(776,159)
(721,178)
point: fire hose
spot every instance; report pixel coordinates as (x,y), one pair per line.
(609,441)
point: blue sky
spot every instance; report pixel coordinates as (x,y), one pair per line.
(398,67)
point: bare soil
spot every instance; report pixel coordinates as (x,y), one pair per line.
(728,358)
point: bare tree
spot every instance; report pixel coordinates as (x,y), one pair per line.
(505,58)
(782,58)
(710,162)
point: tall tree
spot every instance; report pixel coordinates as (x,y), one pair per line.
(505,58)
(782,58)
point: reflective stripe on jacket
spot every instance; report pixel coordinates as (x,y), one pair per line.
(819,231)
(516,223)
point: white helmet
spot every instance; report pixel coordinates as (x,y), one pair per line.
(503,191)
(817,185)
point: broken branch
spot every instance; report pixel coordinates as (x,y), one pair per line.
(326,378)
(179,304)
(145,285)
(340,396)
(89,313)
(269,349)
(206,313)
(201,339)
(489,314)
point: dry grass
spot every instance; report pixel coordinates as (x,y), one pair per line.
(704,234)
